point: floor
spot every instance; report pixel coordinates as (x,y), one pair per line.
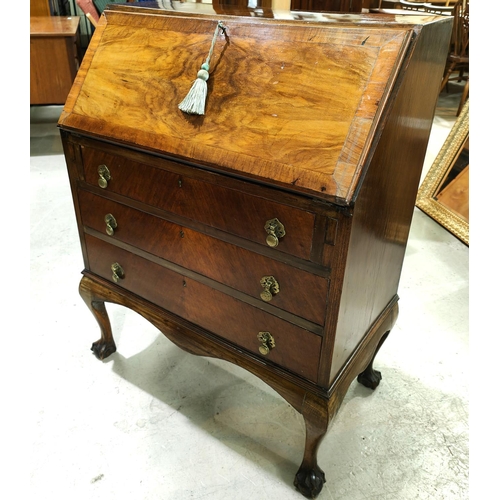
(152,422)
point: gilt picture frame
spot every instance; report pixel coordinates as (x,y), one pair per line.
(441,174)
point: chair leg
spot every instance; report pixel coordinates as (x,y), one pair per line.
(450,68)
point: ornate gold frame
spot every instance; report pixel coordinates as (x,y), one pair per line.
(426,197)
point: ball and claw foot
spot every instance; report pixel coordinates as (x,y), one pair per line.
(103,349)
(309,482)
(370,378)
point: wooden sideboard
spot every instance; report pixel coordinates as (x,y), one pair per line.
(54,58)
(269,232)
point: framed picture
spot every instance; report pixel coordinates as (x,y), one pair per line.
(444,193)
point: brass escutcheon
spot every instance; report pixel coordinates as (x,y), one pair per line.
(117,272)
(111,224)
(275,230)
(267,342)
(271,288)
(104,176)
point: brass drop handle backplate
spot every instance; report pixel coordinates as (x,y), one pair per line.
(104,176)
(271,288)
(275,230)
(111,224)
(117,272)
(266,342)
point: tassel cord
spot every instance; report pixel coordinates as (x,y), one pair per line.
(194,102)
(220,27)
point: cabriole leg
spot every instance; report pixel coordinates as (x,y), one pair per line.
(310,478)
(369,377)
(105,346)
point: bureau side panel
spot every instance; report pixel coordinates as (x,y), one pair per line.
(385,202)
(72,156)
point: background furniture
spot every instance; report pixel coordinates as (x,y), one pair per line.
(100,5)
(39,8)
(70,8)
(440,9)
(269,232)
(88,8)
(458,55)
(54,58)
(327,5)
(411,5)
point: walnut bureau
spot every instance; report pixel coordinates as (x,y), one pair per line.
(269,232)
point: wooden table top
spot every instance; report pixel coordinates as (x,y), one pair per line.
(54,25)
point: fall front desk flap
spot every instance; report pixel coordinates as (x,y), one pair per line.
(292,102)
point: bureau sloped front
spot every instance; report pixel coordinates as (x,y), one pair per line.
(296,349)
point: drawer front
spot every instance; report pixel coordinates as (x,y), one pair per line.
(298,292)
(295,349)
(217,206)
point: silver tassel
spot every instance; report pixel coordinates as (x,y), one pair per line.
(194,102)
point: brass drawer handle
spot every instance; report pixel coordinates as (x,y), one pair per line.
(266,342)
(275,230)
(104,176)
(117,272)
(271,288)
(111,224)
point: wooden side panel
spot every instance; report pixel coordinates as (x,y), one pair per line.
(72,156)
(384,206)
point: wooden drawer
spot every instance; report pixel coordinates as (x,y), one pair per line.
(300,292)
(184,194)
(296,349)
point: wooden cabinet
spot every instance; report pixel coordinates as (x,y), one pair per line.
(270,231)
(54,58)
